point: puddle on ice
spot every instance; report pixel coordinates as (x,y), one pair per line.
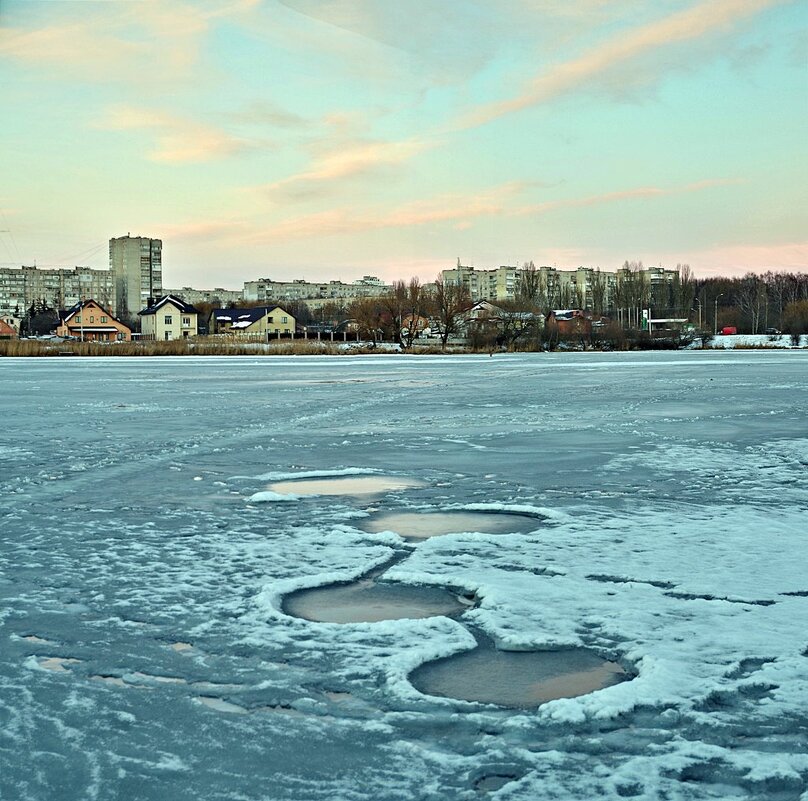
(38,640)
(115,681)
(489,784)
(344,485)
(220,705)
(280,710)
(417,526)
(148,677)
(516,678)
(366,601)
(56,663)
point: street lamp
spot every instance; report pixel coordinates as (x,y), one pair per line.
(699,302)
(715,314)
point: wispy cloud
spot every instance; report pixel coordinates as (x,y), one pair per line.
(625,194)
(347,161)
(158,41)
(692,23)
(177,139)
(450,209)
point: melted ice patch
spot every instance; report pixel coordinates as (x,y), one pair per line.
(422,525)
(346,486)
(516,678)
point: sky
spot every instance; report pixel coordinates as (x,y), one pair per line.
(332,139)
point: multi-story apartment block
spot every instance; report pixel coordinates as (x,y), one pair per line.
(266,289)
(496,284)
(137,265)
(583,287)
(60,287)
(217,296)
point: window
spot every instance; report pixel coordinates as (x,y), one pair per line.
(284,319)
(103,319)
(270,320)
(186,321)
(167,319)
(78,319)
(92,319)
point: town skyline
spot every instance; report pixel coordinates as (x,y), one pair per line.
(327,141)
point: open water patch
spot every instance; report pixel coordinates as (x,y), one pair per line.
(423,525)
(350,486)
(369,600)
(516,679)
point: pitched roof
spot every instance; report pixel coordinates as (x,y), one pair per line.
(66,314)
(243,318)
(6,330)
(184,308)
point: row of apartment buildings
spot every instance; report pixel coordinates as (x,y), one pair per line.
(135,277)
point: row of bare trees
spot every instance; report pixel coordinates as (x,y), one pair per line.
(401,314)
(755,302)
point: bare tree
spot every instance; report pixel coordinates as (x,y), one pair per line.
(752,300)
(368,316)
(450,302)
(416,306)
(597,288)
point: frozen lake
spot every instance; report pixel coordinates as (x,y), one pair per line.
(150,530)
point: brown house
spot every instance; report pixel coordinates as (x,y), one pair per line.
(91,322)
(7,331)
(569,322)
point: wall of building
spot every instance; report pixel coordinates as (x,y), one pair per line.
(267,289)
(60,287)
(136,263)
(168,320)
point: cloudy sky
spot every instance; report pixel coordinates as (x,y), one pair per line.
(336,138)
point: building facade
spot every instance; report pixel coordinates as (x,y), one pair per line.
(169,318)
(217,296)
(268,290)
(89,321)
(136,263)
(583,287)
(262,322)
(59,288)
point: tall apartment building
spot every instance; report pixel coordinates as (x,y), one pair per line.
(136,263)
(60,287)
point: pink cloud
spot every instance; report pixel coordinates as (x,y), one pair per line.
(625,194)
(177,139)
(692,23)
(348,161)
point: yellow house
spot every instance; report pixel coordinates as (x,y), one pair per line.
(168,318)
(91,322)
(265,321)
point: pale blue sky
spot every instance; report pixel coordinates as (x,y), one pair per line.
(335,138)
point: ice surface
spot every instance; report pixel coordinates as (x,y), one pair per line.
(670,492)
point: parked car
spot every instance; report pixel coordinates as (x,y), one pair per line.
(773,331)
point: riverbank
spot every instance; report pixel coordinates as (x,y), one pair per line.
(212,346)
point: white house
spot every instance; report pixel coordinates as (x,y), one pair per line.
(169,318)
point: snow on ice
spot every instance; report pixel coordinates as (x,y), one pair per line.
(145,653)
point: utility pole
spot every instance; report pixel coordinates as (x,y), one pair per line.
(715,314)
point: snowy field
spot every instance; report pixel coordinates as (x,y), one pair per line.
(143,561)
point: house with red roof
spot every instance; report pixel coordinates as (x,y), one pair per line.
(89,321)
